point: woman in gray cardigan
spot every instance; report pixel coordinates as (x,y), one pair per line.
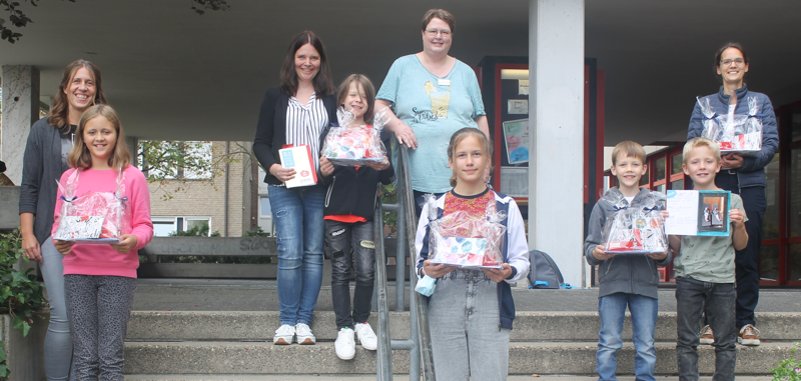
(49,142)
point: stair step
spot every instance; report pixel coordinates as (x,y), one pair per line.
(259,325)
(525,358)
(363,377)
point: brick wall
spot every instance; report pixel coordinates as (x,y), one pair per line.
(206,198)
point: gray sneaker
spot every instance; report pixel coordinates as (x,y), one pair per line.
(749,335)
(706,337)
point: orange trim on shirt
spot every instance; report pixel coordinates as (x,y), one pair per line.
(345,218)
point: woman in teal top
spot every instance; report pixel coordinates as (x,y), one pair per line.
(433,96)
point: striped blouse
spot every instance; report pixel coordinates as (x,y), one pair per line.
(304,123)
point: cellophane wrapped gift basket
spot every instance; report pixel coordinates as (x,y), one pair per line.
(735,133)
(95,217)
(466,241)
(635,230)
(352,145)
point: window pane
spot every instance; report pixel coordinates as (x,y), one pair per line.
(796,125)
(163,228)
(659,171)
(265,210)
(795,262)
(795,193)
(770,221)
(677,185)
(197,224)
(769,262)
(676,163)
(660,188)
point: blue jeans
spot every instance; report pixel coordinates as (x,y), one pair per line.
(298,217)
(612,310)
(467,341)
(717,300)
(58,340)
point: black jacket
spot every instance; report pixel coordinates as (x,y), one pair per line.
(354,192)
(271,130)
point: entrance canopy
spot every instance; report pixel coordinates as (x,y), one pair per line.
(173,74)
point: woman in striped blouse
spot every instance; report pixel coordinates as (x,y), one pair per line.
(297,113)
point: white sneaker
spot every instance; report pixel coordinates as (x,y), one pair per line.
(345,345)
(366,336)
(304,334)
(284,335)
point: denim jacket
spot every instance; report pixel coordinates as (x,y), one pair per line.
(752,173)
(628,273)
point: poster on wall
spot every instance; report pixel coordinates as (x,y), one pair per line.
(514,181)
(515,136)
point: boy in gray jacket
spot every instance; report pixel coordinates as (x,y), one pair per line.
(626,280)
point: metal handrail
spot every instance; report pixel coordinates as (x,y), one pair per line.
(419,343)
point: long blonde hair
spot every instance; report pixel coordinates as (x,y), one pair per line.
(80,157)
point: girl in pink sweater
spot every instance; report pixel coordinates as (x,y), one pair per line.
(100,278)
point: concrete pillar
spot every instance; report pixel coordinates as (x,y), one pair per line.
(133,144)
(556,109)
(20,110)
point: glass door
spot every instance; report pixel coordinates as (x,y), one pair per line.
(793,217)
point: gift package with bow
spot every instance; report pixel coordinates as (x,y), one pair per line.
(735,133)
(356,144)
(94,217)
(635,230)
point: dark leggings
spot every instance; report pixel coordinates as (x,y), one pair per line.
(98,309)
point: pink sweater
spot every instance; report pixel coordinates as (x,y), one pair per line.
(100,259)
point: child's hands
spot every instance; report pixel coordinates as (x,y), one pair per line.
(599,253)
(736,217)
(127,243)
(326,167)
(436,270)
(379,166)
(281,173)
(664,214)
(499,275)
(63,247)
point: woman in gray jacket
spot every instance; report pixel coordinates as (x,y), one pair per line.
(49,142)
(743,174)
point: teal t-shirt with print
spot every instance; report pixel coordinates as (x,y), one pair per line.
(434,107)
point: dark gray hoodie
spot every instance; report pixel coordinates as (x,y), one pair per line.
(628,273)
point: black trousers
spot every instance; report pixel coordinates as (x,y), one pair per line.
(747,260)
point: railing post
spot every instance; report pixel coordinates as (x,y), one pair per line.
(384,356)
(418,304)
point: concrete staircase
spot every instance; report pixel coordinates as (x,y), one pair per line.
(210,332)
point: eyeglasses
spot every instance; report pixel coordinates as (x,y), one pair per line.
(438,32)
(728,61)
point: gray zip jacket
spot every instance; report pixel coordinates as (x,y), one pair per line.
(42,167)
(628,273)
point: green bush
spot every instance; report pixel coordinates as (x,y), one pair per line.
(789,369)
(21,294)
